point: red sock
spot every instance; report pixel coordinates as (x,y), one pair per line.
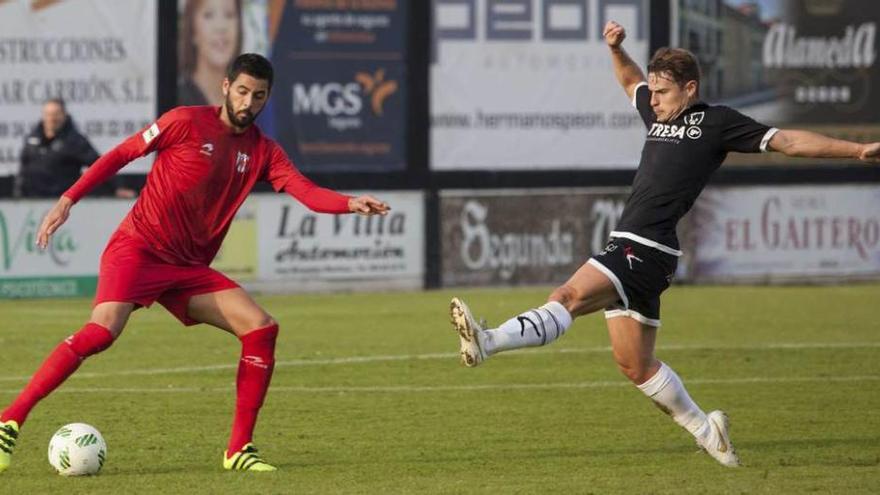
(60,364)
(252,382)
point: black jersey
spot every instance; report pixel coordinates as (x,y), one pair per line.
(678,158)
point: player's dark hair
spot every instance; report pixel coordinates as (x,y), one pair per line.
(252,64)
(680,64)
(58,101)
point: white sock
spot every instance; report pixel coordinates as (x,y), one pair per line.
(535,327)
(668,393)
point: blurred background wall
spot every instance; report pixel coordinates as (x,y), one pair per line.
(495,128)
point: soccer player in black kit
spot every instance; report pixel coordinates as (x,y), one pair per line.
(687,140)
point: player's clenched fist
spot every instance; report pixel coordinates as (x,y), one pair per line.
(614,34)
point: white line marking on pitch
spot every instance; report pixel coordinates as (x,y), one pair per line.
(450,355)
(470,388)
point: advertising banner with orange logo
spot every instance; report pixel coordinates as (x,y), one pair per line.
(98,56)
(340,92)
(339,96)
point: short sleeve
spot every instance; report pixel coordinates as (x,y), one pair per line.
(742,134)
(642,102)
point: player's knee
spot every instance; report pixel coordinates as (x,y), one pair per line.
(260,322)
(112,317)
(636,370)
(266,333)
(566,295)
(267,321)
(92,339)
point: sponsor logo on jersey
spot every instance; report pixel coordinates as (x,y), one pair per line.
(207,149)
(672,132)
(151,133)
(694,132)
(659,130)
(693,120)
(241,162)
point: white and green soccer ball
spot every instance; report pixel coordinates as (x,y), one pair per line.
(77,449)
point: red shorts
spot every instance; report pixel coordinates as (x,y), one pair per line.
(131,272)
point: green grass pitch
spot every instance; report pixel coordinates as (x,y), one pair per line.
(368,397)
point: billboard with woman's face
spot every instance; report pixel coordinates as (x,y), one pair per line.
(339,96)
(210,38)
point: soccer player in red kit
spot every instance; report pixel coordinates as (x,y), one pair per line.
(207,161)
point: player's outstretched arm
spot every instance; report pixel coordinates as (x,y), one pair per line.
(368,205)
(809,144)
(628,74)
(283,175)
(53,221)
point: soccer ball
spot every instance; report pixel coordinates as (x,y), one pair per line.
(77,449)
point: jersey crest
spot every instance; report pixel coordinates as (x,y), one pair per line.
(241,162)
(695,118)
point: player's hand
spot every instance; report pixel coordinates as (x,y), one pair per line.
(870,153)
(368,205)
(614,34)
(53,221)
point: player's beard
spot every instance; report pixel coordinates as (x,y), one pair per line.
(240,119)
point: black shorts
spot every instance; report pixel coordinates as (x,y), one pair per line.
(640,274)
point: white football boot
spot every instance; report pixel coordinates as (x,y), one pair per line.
(469,333)
(718,443)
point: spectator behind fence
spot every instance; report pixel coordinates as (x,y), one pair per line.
(54,154)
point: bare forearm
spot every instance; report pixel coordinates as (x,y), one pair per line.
(813,145)
(627,72)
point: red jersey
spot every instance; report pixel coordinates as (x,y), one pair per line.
(202,174)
